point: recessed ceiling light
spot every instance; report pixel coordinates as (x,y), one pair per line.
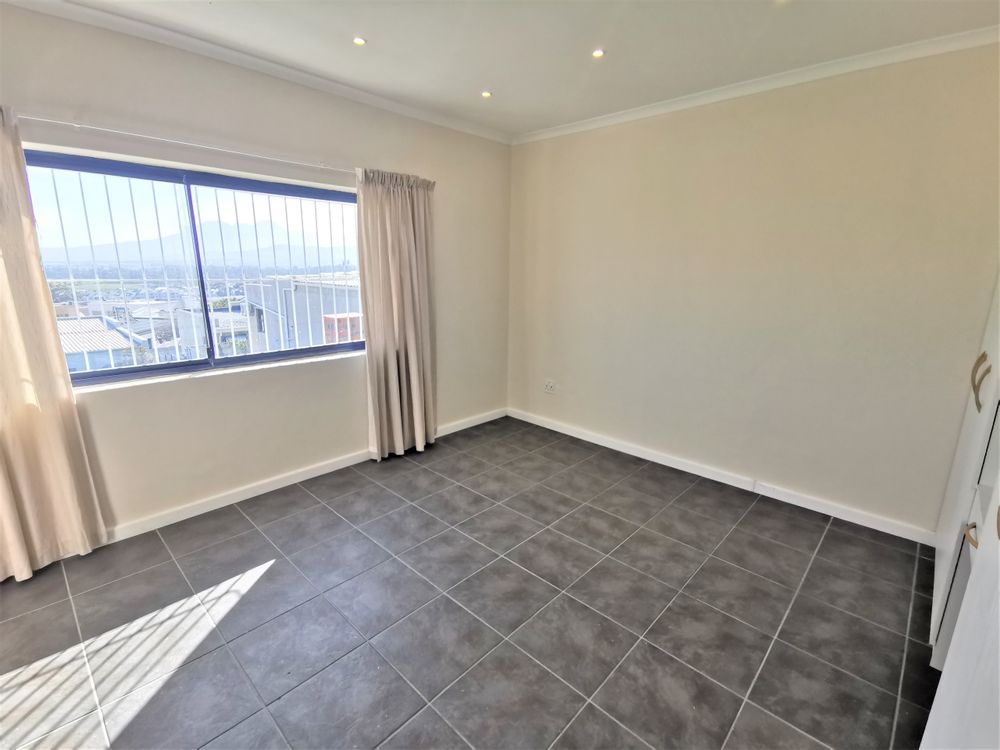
(597,54)
(360,41)
(486,94)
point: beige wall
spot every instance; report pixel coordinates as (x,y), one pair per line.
(163,444)
(789,286)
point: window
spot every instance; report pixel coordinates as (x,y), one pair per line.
(152,268)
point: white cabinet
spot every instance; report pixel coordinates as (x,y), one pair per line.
(966,710)
(958,509)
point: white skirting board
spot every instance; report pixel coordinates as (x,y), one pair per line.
(830,507)
(246,491)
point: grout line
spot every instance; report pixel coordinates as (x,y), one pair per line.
(778,718)
(35,610)
(906,647)
(543,527)
(86,660)
(642,637)
(791,603)
(225,643)
(504,638)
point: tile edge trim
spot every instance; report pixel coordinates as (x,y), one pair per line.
(792,497)
(244,492)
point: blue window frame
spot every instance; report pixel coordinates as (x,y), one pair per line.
(154,269)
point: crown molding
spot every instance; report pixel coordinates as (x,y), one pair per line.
(114,22)
(105,19)
(888,56)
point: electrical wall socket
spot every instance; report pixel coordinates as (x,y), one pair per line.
(550,386)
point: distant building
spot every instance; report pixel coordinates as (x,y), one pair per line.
(304,310)
(90,344)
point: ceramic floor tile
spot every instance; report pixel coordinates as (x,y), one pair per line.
(244,582)
(496,452)
(291,648)
(756,729)
(259,732)
(612,465)
(824,702)
(577,483)
(694,530)
(403,528)
(205,530)
(210,693)
(417,484)
(871,558)
(667,703)
(508,701)
(498,484)
(276,504)
(366,504)
(627,596)
(542,504)
(595,528)
(336,560)
(568,451)
(336,483)
(555,557)
(435,645)
(46,586)
(629,503)
(593,729)
(454,504)
(662,482)
(910,724)
(661,557)
(356,702)
(846,641)
(856,592)
(43,675)
(142,627)
(534,467)
(425,731)
(920,679)
(575,642)
(114,561)
(379,597)
(387,468)
(448,558)
(500,528)
(460,467)
(716,500)
(299,531)
(745,596)
(765,520)
(504,595)
(710,641)
(772,560)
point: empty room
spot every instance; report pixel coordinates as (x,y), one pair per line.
(499,374)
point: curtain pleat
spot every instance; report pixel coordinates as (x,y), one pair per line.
(48,503)
(395,232)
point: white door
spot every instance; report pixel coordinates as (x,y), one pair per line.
(966,710)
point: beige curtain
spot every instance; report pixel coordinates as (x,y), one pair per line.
(48,506)
(394,241)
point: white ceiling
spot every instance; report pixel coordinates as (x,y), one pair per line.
(435,56)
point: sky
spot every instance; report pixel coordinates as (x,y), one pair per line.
(120,209)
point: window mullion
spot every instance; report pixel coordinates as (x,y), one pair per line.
(209,336)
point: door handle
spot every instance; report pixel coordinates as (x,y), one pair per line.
(978,378)
(973,542)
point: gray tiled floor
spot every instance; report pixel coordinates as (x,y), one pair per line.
(508,588)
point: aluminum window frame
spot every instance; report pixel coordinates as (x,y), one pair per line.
(190,178)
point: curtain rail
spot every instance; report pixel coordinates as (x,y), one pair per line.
(84,126)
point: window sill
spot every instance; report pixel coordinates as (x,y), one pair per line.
(210,372)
